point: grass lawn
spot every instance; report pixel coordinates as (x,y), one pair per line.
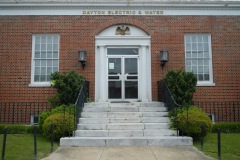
(230,143)
(21,147)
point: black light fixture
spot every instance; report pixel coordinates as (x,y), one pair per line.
(82,57)
(163,57)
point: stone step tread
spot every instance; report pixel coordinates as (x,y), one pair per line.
(124,109)
(124,133)
(122,114)
(137,104)
(125,126)
(127,141)
(110,124)
(159,137)
(140,130)
(123,120)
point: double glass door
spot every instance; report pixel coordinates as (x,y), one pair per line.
(123,77)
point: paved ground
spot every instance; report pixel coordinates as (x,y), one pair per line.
(127,153)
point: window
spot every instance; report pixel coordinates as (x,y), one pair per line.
(199,57)
(45,58)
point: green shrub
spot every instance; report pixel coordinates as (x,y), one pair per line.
(43,117)
(67,85)
(62,125)
(60,109)
(196,118)
(16,129)
(182,85)
(227,127)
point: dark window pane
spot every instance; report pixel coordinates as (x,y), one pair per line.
(206,77)
(131,89)
(200,77)
(114,90)
(122,51)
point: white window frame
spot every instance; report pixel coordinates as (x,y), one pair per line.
(210,81)
(46,83)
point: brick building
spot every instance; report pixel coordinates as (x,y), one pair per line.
(122,40)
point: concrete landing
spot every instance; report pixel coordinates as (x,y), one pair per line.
(128,153)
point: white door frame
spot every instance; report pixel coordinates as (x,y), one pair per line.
(139,39)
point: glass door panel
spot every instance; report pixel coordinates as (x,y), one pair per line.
(114,78)
(131,78)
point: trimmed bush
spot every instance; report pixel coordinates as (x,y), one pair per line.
(196,118)
(60,109)
(62,125)
(182,85)
(16,129)
(68,85)
(227,127)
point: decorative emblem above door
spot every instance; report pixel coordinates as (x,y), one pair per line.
(123,30)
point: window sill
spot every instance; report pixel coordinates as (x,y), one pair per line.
(206,84)
(40,84)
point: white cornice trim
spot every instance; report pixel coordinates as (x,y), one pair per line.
(103,8)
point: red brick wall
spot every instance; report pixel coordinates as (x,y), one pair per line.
(78,32)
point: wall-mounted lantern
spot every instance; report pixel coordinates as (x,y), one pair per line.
(82,57)
(163,57)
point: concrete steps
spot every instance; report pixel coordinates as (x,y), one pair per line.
(124,124)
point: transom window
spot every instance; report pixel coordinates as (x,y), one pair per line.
(45,57)
(199,57)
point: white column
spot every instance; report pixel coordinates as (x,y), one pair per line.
(144,80)
(100,79)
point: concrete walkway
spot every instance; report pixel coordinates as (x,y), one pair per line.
(127,153)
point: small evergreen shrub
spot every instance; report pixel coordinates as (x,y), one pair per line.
(182,85)
(62,125)
(17,129)
(196,118)
(227,127)
(67,85)
(69,109)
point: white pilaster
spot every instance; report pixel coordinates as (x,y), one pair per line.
(100,80)
(143,79)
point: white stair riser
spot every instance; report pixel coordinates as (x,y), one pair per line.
(110,133)
(128,141)
(101,104)
(151,126)
(124,120)
(96,109)
(127,126)
(162,132)
(152,109)
(155,114)
(93,120)
(108,120)
(94,114)
(91,133)
(124,114)
(115,126)
(152,104)
(133,104)
(92,127)
(124,109)
(155,119)
(125,133)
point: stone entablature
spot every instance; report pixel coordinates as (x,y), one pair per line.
(118,8)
